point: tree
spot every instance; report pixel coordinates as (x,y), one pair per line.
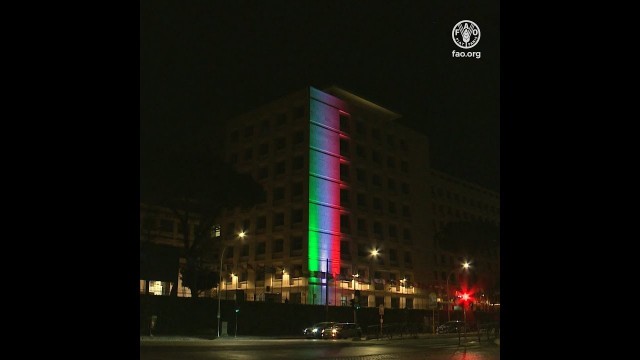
(198,278)
(196,186)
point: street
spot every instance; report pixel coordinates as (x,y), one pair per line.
(433,348)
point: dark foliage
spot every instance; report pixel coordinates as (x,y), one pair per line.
(197,187)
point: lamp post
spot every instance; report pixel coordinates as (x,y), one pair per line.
(465,266)
(374,256)
(281,284)
(241,235)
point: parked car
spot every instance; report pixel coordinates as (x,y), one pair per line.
(342,331)
(453,326)
(315,331)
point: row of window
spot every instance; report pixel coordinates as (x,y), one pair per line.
(278,248)
(362,227)
(440,193)
(457,213)
(264,127)
(263,153)
(263,150)
(464,184)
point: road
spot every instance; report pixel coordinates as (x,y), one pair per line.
(436,348)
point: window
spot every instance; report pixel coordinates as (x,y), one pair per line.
(261,224)
(296,216)
(298,163)
(404,166)
(406,211)
(406,236)
(244,252)
(361,175)
(264,127)
(377,204)
(345,225)
(376,180)
(264,150)
(362,250)
(234,158)
(392,185)
(392,208)
(297,189)
(393,256)
(281,143)
(234,136)
(377,228)
(391,163)
(248,131)
(376,135)
(344,247)
(246,225)
(362,200)
(280,168)
(405,188)
(376,157)
(344,172)
(248,154)
(281,120)
(393,231)
(278,219)
(361,152)
(391,142)
(278,194)
(261,248)
(344,147)
(263,173)
(278,245)
(344,197)
(362,225)
(296,247)
(296,243)
(407,258)
(403,145)
(298,137)
(298,112)
(360,128)
(344,123)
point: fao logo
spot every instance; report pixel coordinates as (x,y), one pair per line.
(466,34)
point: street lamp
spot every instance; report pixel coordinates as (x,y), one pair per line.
(465,266)
(241,235)
(374,255)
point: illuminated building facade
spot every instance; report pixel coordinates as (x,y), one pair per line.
(342,179)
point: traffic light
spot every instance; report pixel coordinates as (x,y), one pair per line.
(465,297)
(237,309)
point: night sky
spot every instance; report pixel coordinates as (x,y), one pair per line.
(204,62)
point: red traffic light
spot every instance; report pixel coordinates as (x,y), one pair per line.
(465,297)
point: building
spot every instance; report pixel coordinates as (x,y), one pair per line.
(352,207)
(457,201)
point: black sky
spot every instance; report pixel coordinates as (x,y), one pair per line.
(203,62)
